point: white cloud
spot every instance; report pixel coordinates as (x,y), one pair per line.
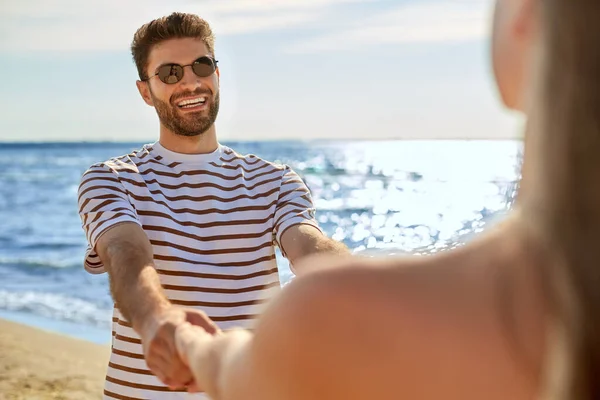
(423,22)
(42,8)
(243,6)
(73,25)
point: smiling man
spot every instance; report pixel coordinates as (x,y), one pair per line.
(186,228)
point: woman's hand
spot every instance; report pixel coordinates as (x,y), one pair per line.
(193,345)
(214,360)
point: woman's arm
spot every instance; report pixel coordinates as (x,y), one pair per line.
(265,365)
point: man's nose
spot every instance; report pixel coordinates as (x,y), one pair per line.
(190,80)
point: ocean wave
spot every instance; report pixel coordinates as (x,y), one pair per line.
(35,263)
(56,306)
(49,245)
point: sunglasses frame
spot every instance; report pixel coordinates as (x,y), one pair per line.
(212,60)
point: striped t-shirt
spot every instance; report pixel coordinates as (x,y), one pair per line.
(213,220)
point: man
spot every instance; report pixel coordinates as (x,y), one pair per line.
(186,227)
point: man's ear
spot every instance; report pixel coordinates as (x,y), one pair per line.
(144,89)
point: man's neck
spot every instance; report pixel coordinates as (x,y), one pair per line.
(201,144)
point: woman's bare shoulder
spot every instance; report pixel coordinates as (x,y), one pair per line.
(416,327)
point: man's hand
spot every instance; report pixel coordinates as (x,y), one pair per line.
(160,350)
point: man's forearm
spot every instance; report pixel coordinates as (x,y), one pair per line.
(326,245)
(321,246)
(134,283)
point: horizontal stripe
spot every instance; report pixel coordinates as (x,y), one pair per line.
(117,194)
(112,221)
(202,275)
(131,370)
(213,264)
(101,186)
(97,169)
(197,172)
(126,338)
(240,158)
(156,160)
(144,153)
(280,219)
(221,291)
(120,396)
(141,386)
(199,199)
(94,270)
(163,229)
(108,199)
(294,203)
(125,210)
(202,185)
(127,354)
(103,179)
(298,189)
(239,250)
(125,158)
(210,168)
(225,305)
(222,166)
(94,264)
(125,324)
(139,379)
(240,166)
(130,363)
(204,211)
(213,224)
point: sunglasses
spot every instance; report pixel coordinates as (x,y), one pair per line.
(172,73)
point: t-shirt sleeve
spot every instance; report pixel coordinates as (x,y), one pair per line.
(294,205)
(102,203)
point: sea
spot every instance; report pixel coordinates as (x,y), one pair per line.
(379,197)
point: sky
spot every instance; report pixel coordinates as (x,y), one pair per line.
(290,69)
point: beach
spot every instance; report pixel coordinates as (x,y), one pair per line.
(36,364)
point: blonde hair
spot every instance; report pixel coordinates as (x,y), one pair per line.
(568,104)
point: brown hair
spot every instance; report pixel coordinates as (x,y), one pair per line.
(569,111)
(175,25)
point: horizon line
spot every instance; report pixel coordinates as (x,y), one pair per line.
(291,140)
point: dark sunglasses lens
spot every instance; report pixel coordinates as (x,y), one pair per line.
(203,67)
(170,73)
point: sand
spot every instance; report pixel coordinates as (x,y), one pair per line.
(35,364)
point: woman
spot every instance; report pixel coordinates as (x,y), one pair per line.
(513,315)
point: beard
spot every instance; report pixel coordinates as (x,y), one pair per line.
(191,124)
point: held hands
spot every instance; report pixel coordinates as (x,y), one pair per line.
(160,351)
(214,359)
(194,346)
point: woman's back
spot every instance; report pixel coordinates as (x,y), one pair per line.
(465,325)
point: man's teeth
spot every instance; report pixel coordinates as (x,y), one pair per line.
(192,102)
